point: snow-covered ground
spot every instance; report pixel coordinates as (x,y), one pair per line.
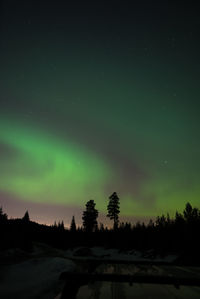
(34,278)
(116,254)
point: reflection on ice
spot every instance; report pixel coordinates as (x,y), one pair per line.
(137,291)
(115,290)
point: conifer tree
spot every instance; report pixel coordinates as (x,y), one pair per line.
(60,225)
(3,216)
(90,216)
(26,217)
(113,209)
(188,212)
(73,225)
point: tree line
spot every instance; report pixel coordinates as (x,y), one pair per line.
(179,234)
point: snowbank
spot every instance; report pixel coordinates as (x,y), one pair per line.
(116,254)
(35,278)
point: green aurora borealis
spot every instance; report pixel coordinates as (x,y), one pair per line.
(93,104)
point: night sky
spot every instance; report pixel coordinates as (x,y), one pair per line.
(97,97)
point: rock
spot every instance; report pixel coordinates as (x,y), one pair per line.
(83,251)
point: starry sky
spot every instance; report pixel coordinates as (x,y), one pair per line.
(97,97)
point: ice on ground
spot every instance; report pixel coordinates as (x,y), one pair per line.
(34,278)
(116,254)
(107,290)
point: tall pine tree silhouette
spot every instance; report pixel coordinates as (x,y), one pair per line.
(113,209)
(90,216)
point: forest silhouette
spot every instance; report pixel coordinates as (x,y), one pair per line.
(165,235)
